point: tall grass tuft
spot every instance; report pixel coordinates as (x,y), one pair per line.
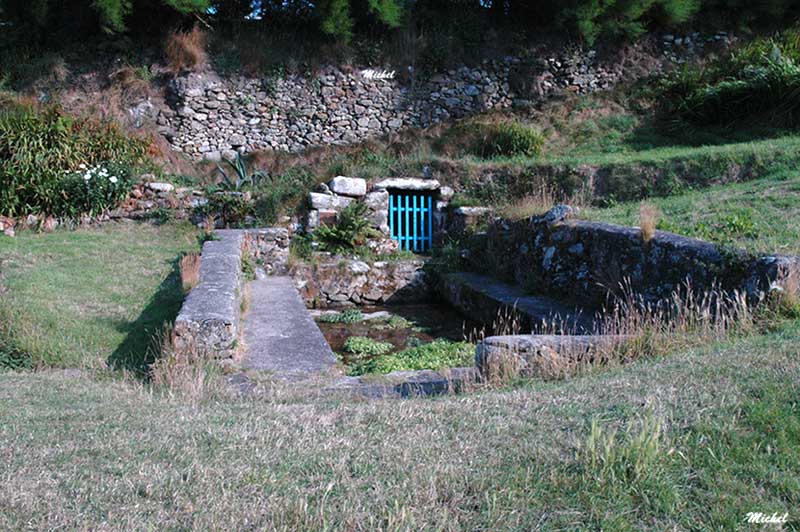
(188,372)
(648,220)
(608,457)
(686,318)
(190,271)
(186,50)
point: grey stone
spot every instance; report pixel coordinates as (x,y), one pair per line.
(161,187)
(327,202)
(280,335)
(349,186)
(408,183)
(545,355)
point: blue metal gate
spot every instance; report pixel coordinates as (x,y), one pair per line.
(411,220)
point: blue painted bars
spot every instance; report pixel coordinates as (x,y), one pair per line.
(411,220)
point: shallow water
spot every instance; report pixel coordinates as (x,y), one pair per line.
(424,323)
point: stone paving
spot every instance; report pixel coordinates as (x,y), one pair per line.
(280,336)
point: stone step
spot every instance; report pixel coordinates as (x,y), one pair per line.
(280,335)
(482,298)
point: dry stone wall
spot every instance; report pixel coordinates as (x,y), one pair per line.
(585,261)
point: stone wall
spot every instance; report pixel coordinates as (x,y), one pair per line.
(584,261)
(211,117)
(269,248)
(344,282)
(208,322)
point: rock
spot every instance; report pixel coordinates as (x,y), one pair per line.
(161,187)
(408,183)
(349,186)
(359,267)
(237,140)
(558,214)
(446,193)
(543,355)
(326,202)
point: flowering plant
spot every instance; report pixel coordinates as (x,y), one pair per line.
(94,189)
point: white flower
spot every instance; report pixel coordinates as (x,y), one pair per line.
(113,179)
(82,166)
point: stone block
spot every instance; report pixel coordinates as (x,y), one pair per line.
(348,186)
(328,202)
(408,183)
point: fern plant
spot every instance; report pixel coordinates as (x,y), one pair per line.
(351,230)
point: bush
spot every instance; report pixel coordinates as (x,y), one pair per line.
(53,163)
(186,50)
(508,139)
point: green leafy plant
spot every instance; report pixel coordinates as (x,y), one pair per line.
(54,163)
(350,315)
(351,230)
(239,177)
(438,354)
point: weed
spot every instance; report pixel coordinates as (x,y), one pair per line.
(346,316)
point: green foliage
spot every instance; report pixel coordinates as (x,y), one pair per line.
(760,84)
(626,18)
(337,22)
(57,164)
(248,267)
(508,139)
(435,355)
(276,194)
(361,346)
(350,315)
(240,177)
(233,208)
(351,230)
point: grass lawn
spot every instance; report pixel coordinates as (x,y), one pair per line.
(762,216)
(92,297)
(689,442)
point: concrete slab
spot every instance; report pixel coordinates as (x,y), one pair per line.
(280,335)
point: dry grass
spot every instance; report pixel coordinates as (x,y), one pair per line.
(532,205)
(189,372)
(186,50)
(648,219)
(687,319)
(190,271)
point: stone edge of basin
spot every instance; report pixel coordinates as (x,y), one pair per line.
(536,354)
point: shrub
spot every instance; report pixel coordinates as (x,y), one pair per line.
(350,315)
(52,163)
(240,177)
(186,50)
(508,139)
(352,229)
(233,208)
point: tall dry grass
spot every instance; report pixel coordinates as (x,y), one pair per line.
(186,50)
(648,220)
(190,271)
(189,372)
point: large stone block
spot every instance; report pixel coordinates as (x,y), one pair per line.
(408,183)
(348,186)
(328,202)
